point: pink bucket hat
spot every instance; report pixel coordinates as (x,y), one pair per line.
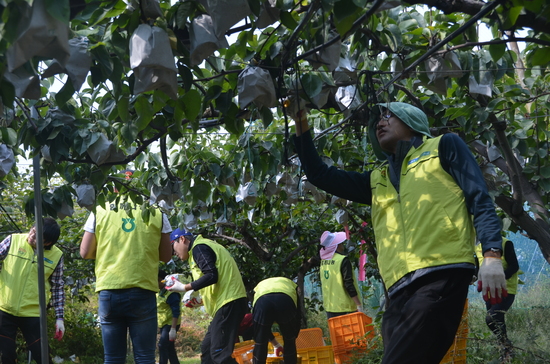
(330,242)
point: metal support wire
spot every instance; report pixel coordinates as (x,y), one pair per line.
(40,253)
(490,6)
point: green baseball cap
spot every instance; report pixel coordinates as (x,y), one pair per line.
(412,116)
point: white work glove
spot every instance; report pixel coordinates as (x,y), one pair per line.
(278,350)
(59,329)
(295,107)
(172,283)
(192,299)
(172,334)
(492,282)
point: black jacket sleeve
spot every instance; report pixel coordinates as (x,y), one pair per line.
(353,186)
(347,274)
(460,163)
(205,258)
(511,260)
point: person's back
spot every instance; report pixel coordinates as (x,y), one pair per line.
(127,251)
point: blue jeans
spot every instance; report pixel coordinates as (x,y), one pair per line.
(167,349)
(133,309)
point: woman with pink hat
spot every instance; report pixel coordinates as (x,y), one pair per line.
(338,281)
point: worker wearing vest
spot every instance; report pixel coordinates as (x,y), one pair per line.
(338,280)
(169,319)
(219,280)
(127,251)
(427,201)
(19,305)
(495,312)
(276,300)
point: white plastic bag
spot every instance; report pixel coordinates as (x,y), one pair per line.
(152,60)
(204,40)
(226,13)
(256,85)
(85,196)
(38,34)
(247,193)
(7,160)
(77,66)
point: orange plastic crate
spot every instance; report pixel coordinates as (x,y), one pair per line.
(349,332)
(318,355)
(243,354)
(310,338)
(457,352)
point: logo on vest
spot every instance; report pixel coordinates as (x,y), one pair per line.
(327,274)
(49,261)
(129,221)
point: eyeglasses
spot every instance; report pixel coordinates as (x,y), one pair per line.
(386,116)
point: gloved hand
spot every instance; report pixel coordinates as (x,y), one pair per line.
(172,283)
(296,108)
(192,299)
(278,350)
(59,329)
(492,283)
(172,334)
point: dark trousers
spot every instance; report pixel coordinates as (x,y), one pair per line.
(167,348)
(495,317)
(421,320)
(219,341)
(29,326)
(271,308)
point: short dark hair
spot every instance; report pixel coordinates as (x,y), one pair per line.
(51,231)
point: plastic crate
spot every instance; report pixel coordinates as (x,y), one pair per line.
(243,354)
(350,332)
(457,352)
(310,338)
(318,355)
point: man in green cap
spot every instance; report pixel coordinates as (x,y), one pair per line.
(428,202)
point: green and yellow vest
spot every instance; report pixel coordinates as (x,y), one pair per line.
(127,253)
(335,296)
(276,285)
(512,282)
(230,284)
(19,277)
(427,223)
(164,311)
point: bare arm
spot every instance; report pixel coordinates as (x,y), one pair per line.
(165,248)
(88,246)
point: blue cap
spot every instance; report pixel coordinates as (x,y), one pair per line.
(179,232)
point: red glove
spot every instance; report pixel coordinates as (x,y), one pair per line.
(278,349)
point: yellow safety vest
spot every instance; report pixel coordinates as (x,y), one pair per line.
(229,287)
(335,296)
(164,311)
(127,253)
(19,277)
(427,223)
(512,282)
(276,285)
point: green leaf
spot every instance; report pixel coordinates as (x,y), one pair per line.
(59,9)
(122,107)
(288,20)
(145,112)
(545,171)
(7,92)
(497,51)
(541,56)
(312,84)
(65,93)
(201,190)
(129,132)
(513,14)
(191,104)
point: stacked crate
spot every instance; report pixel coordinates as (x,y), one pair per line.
(350,334)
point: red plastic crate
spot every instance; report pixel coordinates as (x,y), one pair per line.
(349,332)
